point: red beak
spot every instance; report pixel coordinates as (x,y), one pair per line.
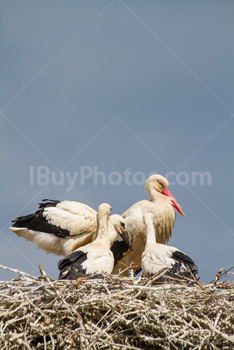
(167,193)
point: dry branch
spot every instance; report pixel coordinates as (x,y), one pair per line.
(115,313)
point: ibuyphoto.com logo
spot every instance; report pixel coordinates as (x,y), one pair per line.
(42,175)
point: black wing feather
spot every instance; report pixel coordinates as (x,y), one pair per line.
(48,203)
(71,266)
(118,249)
(176,270)
(38,222)
(181,258)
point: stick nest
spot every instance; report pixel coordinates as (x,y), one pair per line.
(115,313)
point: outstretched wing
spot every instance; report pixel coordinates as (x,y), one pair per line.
(57,222)
(61,218)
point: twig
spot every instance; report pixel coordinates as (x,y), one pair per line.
(38,313)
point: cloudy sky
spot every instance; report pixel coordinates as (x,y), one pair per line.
(96,95)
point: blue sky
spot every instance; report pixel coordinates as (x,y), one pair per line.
(116,87)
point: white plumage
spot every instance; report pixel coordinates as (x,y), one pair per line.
(158,256)
(60,227)
(162,207)
(95,257)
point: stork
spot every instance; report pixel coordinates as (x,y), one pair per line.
(58,227)
(157,256)
(95,257)
(162,205)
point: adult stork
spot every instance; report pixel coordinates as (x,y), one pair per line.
(158,256)
(95,257)
(162,205)
(60,227)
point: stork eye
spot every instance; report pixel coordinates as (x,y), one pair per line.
(160,183)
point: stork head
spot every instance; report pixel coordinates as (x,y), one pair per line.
(104,209)
(118,223)
(156,182)
(160,184)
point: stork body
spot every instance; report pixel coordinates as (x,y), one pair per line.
(58,227)
(95,257)
(162,206)
(158,256)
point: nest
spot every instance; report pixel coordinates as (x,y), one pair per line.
(115,313)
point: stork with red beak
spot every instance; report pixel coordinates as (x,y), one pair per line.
(60,227)
(162,206)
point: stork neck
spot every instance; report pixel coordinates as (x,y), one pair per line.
(156,196)
(102,234)
(150,229)
(152,193)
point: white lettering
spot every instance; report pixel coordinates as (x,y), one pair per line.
(85,173)
(43,175)
(71,179)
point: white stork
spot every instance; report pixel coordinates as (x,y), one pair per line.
(58,227)
(95,257)
(162,205)
(158,256)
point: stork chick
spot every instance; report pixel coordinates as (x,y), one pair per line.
(157,256)
(96,257)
